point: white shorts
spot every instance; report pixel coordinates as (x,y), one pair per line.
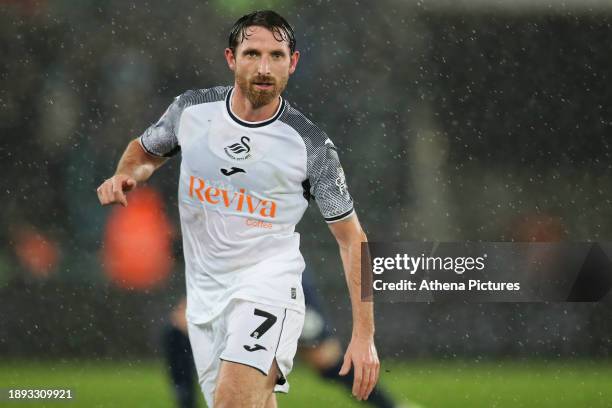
(248,333)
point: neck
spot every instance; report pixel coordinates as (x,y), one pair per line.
(242,107)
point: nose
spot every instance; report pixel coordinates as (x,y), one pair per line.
(264,66)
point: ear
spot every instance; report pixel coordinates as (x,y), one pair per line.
(230,58)
(294,60)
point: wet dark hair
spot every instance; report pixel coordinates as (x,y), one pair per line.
(269,19)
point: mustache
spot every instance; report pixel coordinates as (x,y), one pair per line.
(263,80)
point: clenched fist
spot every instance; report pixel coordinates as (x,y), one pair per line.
(113,190)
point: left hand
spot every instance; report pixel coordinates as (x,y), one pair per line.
(361,354)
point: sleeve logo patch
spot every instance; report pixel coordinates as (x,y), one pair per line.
(341,181)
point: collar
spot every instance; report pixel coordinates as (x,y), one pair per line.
(228,105)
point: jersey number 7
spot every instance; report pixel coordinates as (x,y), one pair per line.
(265,326)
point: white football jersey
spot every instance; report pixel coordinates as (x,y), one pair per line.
(243,188)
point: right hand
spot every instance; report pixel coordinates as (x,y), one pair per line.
(113,190)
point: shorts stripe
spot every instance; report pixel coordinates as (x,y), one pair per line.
(280,335)
(282,378)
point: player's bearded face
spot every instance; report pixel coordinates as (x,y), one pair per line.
(263,63)
(261,89)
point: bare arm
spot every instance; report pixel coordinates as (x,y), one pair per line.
(361,352)
(135,167)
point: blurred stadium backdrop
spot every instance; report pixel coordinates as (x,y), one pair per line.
(455,120)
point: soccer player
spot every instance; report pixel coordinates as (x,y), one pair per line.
(250,163)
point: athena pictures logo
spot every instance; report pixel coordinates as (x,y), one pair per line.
(239,150)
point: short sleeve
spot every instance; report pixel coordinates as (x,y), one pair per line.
(160,139)
(328,184)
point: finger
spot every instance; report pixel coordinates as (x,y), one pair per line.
(108,192)
(365,382)
(99,193)
(357,378)
(373,379)
(104,193)
(346,366)
(118,195)
(129,184)
(376,376)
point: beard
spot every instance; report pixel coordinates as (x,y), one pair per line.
(261,97)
